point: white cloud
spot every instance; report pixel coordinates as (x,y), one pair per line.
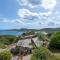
(25,13)
(15,21)
(25,16)
(30,3)
(48,4)
(40,16)
(46,13)
(29,17)
(23,2)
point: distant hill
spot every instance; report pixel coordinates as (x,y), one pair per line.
(24,29)
(50,29)
(45,29)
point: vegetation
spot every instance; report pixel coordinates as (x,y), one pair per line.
(49,35)
(42,54)
(41,36)
(3,46)
(18,49)
(55,41)
(25,34)
(7,40)
(28,33)
(5,55)
(15,50)
(48,30)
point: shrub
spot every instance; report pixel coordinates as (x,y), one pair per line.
(5,55)
(28,33)
(15,50)
(42,54)
(49,34)
(11,39)
(55,41)
(41,36)
(7,39)
(3,46)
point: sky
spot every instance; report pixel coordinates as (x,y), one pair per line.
(33,14)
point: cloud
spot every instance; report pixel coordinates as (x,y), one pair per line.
(30,3)
(42,18)
(15,21)
(28,17)
(46,13)
(48,4)
(26,12)
(31,17)
(36,14)
(23,2)
(22,13)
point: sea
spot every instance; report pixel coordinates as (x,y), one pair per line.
(16,33)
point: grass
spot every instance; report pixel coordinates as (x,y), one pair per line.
(57,55)
(2,46)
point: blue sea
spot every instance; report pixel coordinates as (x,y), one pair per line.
(16,33)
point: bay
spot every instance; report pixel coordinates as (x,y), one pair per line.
(3,32)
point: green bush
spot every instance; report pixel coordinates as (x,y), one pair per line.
(7,39)
(55,41)
(28,33)
(49,34)
(5,55)
(3,46)
(15,50)
(41,36)
(42,54)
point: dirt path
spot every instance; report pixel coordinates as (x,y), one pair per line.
(28,57)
